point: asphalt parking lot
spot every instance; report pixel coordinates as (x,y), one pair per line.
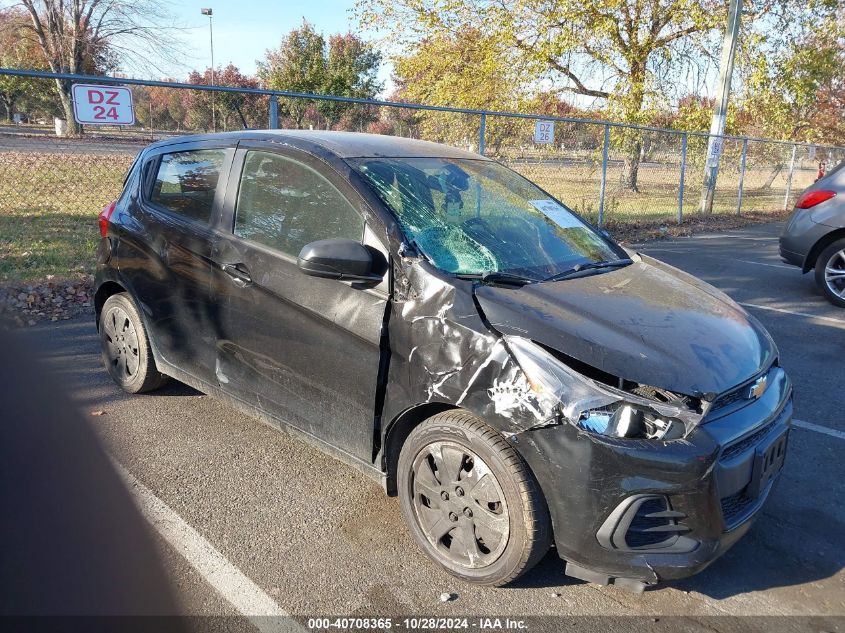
(291,531)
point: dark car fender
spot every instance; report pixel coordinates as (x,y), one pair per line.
(444,356)
(109,281)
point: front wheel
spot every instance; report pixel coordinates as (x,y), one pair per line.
(830,273)
(470,500)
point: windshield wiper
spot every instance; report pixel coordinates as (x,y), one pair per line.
(577,268)
(497,276)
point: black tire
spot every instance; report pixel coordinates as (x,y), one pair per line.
(125,347)
(512,499)
(829,261)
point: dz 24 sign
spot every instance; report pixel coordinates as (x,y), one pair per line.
(102,105)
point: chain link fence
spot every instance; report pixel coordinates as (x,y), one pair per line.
(608,172)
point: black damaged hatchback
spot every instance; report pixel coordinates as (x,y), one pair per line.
(431,317)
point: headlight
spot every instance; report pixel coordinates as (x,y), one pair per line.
(629,420)
(595,406)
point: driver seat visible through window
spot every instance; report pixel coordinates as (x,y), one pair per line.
(284,204)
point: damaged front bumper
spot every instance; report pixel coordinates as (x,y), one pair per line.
(636,511)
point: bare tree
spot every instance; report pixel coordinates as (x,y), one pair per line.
(79,36)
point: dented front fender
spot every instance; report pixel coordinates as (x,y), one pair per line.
(441,350)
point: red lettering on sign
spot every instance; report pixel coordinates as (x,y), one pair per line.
(102,105)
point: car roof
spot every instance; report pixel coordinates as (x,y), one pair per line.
(341,144)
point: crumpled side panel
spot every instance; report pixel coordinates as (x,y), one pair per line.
(442,351)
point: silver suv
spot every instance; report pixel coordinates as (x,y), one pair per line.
(814,238)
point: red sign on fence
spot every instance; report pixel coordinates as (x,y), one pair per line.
(102,105)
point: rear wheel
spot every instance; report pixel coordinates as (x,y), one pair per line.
(125,348)
(470,500)
(830,273)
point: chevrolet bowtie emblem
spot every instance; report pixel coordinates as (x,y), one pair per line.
(759,387)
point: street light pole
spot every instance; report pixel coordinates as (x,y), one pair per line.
(209,13)
(720,111)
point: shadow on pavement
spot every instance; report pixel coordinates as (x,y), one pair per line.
(755,565)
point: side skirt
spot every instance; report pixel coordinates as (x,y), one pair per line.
(276,423)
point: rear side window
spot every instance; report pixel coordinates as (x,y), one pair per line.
(187,181)
(130,181)
(284,204)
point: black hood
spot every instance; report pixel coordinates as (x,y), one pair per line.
(647,322)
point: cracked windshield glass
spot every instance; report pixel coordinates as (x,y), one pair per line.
(473,217)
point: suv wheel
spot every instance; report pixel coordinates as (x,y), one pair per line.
(125,348)
(470,500)
(830,273)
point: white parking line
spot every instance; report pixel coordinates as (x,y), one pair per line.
(838,322)
(748,261)
(229,581)
(809,426)
(744,261)
(753,238)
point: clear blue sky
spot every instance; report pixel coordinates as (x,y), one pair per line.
(244,29)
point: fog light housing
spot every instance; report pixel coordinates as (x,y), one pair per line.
(646,522)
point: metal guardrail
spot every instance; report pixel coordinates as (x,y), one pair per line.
(586,146)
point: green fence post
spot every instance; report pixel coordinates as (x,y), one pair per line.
(789,179)
(682,178)
(741,175)
(603,173)
(274,112)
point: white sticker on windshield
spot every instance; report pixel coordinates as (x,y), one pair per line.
(556,213)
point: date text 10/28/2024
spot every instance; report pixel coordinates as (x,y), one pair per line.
(417,624)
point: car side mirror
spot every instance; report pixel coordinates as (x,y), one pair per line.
(343,259)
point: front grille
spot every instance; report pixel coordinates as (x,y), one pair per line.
(764,451)
(731,397)
(744,444)
(738,395)
(735,507)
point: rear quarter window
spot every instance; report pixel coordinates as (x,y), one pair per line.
(130,181)
(186,182)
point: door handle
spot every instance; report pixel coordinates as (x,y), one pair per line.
(239,274)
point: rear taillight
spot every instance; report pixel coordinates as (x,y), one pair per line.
(812,198)
(103,218)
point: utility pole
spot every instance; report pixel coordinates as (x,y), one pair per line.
(209,13)
(720,111)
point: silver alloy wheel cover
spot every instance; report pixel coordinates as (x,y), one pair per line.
(834,278)
(480,535)
(121,343)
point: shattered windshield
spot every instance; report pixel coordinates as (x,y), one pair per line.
(474,217)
